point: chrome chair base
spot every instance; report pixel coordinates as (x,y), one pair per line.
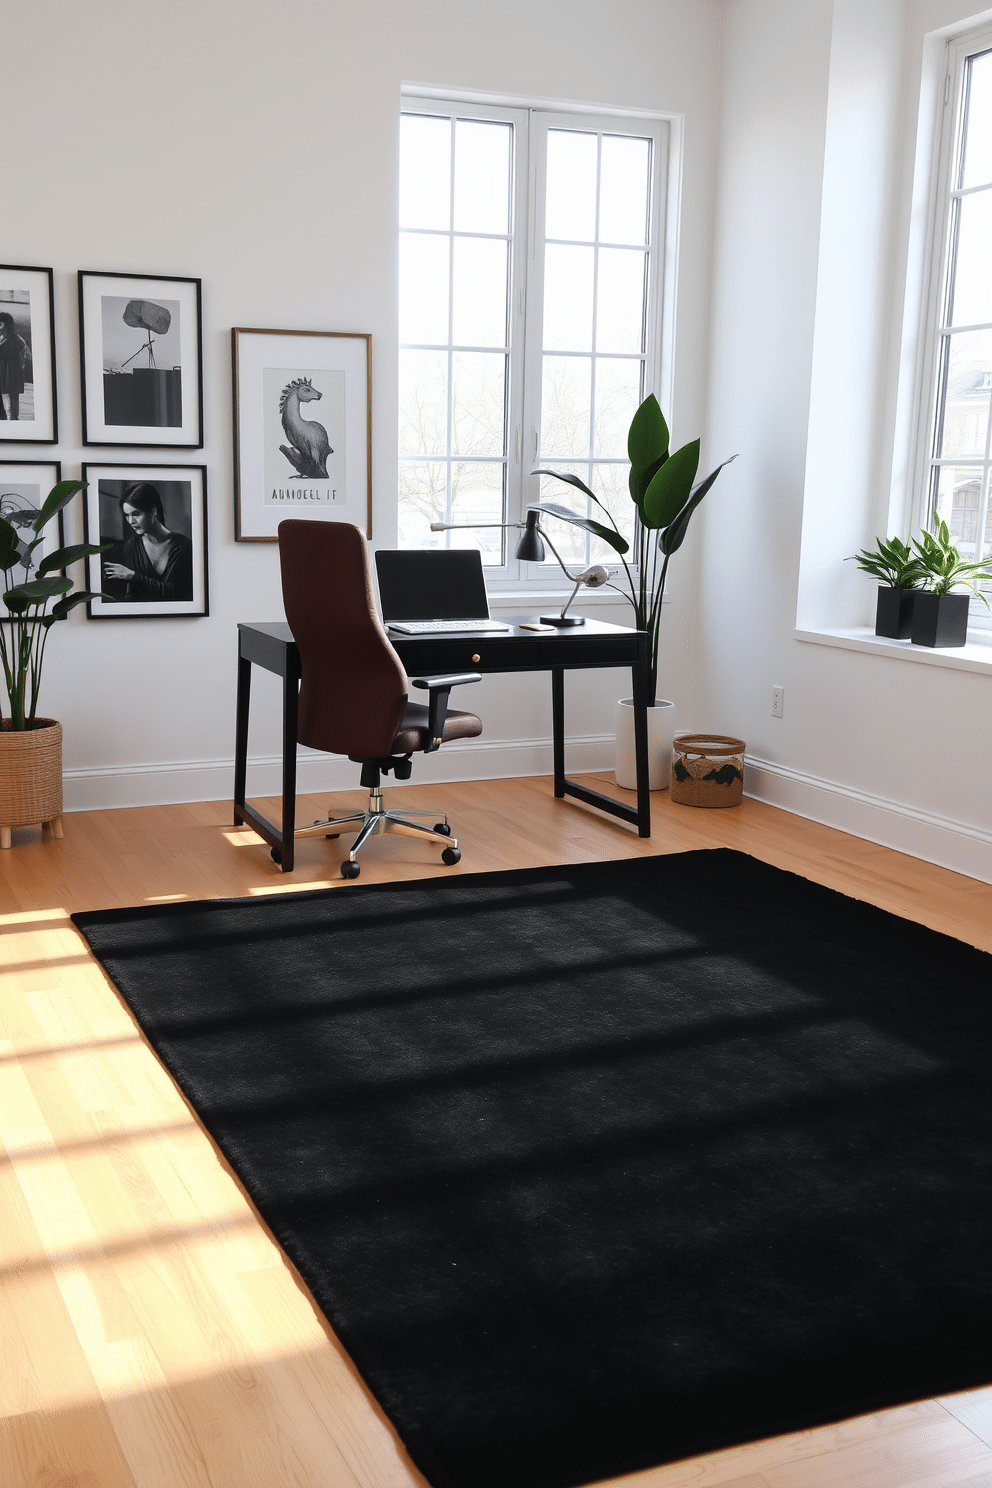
(375,820)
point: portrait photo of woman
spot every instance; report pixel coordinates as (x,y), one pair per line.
(153,520)
(15,362)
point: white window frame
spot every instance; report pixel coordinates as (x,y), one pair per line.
(945,170)
(523,397)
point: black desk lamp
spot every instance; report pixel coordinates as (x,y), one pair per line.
(530,548)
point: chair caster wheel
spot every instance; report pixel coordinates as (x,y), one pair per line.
(443,828)
(451,855)
(275,855)
(350,869)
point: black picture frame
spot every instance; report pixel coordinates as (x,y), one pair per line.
(293,464)
(23,487)
(127,398)
(182,510)
(27,358)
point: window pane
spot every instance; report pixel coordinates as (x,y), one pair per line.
(565,394)
(425,172)
(571,185)
(478,403)
(623,189)
(618,392)
(423,289)
(479,309)
(620,302)
(966,396)
(978,147)
(482,177)
(423,402)
(477,496)
(421,501)
(568,276)
(959,491)
(972,278)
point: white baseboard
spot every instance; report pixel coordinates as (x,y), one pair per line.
(171,783)
(935,839)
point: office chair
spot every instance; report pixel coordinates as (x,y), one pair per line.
(353,693)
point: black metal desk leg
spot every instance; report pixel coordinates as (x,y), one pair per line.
(558,727)
(290,706)
(639,691)
(241,738)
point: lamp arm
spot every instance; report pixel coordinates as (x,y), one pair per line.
(564,567)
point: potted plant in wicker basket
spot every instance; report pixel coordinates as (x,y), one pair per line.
(664,489)
(30,746)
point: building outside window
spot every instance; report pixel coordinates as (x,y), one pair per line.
(531,284)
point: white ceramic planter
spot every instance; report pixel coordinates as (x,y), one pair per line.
(661,732)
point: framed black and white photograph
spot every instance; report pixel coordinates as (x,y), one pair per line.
(155,519)
(24,485)
(27,356)
(140,344)
(302,429)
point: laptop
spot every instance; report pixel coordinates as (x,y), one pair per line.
(434,591)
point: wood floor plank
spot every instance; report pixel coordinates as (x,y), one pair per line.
(154,1336)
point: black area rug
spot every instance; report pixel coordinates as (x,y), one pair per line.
(599,1166)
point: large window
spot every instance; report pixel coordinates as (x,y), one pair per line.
(530,281)
(959,457)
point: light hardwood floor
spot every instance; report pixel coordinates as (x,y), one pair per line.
(152,1334)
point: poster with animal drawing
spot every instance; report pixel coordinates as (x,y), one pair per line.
(304,437)
(302,429)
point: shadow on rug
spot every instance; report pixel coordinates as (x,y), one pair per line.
(599,1166)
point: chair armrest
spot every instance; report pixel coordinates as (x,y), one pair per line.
(439,689)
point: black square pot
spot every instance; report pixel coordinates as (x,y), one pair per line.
(894,613)
(940,619)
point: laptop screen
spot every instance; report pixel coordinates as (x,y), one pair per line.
(431,584)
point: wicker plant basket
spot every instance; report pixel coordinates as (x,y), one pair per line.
(30,777)
(708,770)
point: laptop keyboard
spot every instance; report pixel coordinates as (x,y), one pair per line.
(444,627)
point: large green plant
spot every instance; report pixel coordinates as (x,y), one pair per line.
(24,629)
(664,489)
(943,567)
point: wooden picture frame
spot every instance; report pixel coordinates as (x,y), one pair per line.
(286,463)
(145,575)
(27,356)
(141,356)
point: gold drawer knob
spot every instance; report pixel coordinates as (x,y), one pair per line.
(476,657)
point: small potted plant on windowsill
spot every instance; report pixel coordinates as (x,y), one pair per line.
(901,572)
(31,747)
(940,616)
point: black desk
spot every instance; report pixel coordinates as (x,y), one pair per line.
(594,644)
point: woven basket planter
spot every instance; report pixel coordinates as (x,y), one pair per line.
(708,770)
(30,777)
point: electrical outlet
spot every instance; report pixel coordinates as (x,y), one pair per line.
(778,701)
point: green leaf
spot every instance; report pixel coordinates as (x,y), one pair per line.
(61,610)
(8,544)
(647,444)
(36,591)
(671,487)
(62,557)
(58,497)
(672,538)
(565,514)
(570,480)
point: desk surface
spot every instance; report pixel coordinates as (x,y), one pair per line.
(594,644)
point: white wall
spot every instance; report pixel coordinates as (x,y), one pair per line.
(255,146)
(813,220)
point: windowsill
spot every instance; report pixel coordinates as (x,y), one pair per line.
(519,598)
(976,656)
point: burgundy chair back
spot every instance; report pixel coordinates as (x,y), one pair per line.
(354,689)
